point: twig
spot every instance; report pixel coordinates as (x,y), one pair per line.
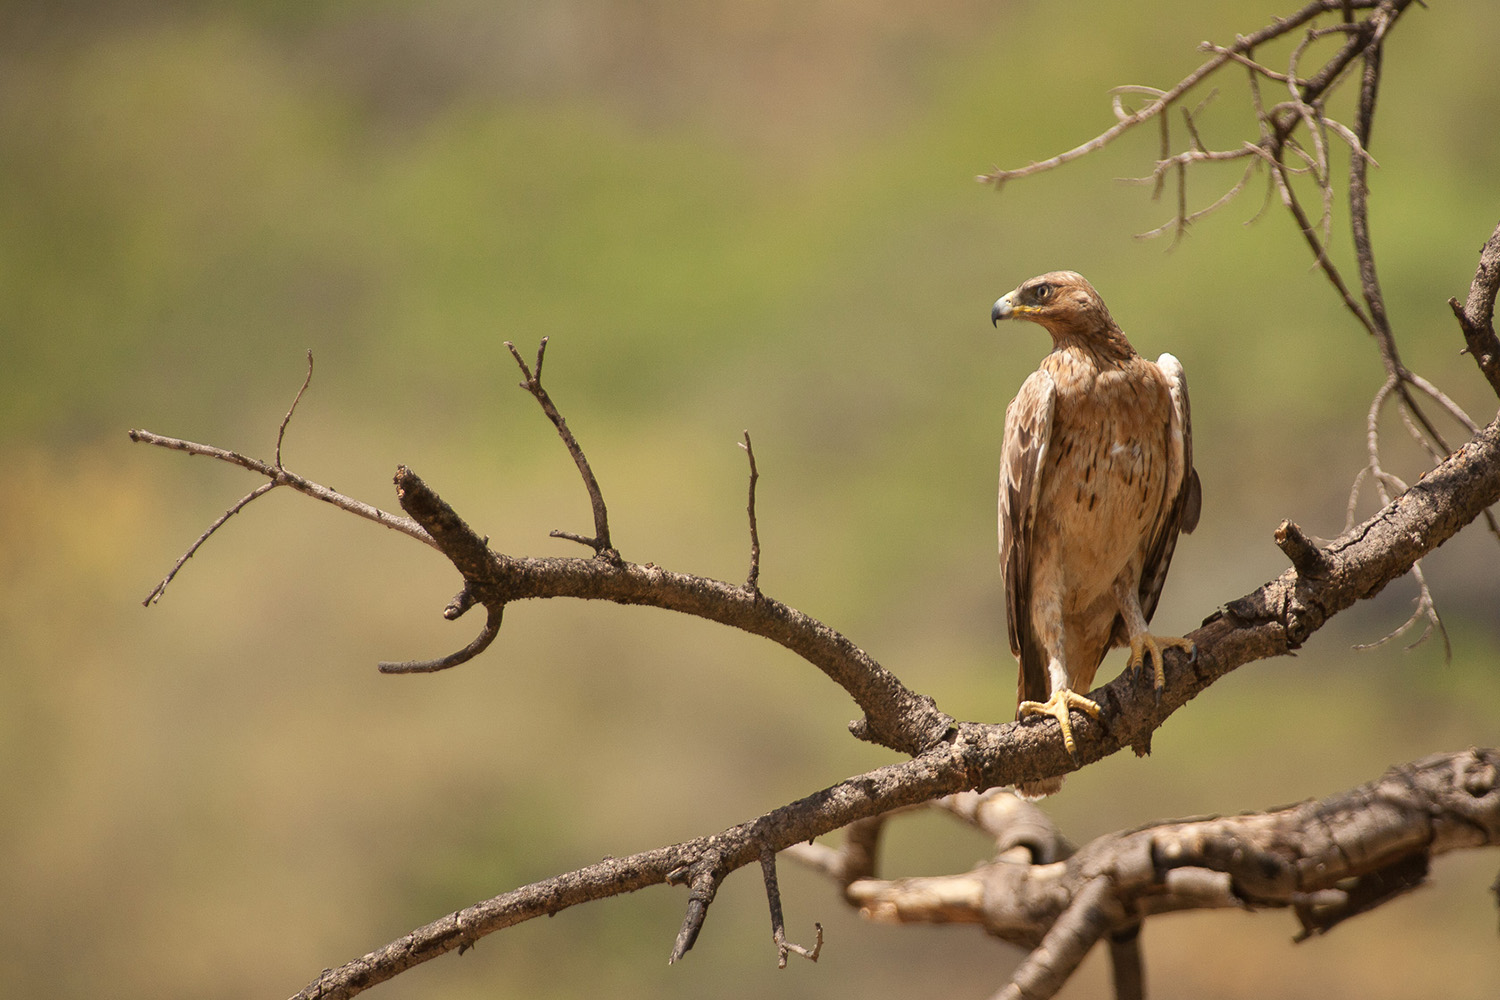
(239,505)
(282,477)
(1424,608)
(276,475)
(752,582)
(1244,59)
(705,887)
(281,431)
(480,644)
(600,543)
(1222,56)
(1385,485)
(1310,560)
(778,924)
(1359,219)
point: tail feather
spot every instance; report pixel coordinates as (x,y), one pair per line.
(1033,790)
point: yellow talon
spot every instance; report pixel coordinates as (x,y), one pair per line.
(1141,645)
(1057,706)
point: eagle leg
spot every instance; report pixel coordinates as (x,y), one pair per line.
(1057,706)
(1144,644)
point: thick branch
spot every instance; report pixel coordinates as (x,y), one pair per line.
(1273,620)
(1327,860)
(1085,920)
(894,716)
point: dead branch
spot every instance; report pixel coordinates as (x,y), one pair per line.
(1273,620)
(1278,146)
(281,431)
(600,543)
(1168,98)
(235,508)
(282,477)
(276,475)
(1094,893)
(1325,860)
(894,716)
(1476,316)
(480,644)
(1085,920)
(778,924)
(752,582)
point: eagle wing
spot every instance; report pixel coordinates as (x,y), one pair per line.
(1028,433)
(1182,500)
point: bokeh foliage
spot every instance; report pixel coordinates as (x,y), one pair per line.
(729,215)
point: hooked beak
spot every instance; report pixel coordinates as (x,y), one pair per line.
(1002,309)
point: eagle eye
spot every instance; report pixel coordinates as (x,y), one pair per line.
(1041,292)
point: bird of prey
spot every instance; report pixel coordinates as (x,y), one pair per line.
(1096,481)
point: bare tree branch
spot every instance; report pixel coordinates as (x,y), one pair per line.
(480,644)
(778,924)
(600,543)
(1222,56)
(281,431)
(239,505)
(894,716)
(1476,316)
(282,477)
(752,582)
(1068,940)
(277,475)
(1325,860)
(1273,620)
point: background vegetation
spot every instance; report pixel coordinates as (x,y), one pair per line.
(755,214)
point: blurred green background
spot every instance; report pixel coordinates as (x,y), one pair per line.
(725,215)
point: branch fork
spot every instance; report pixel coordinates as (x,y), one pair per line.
(1326,861)
(532,383)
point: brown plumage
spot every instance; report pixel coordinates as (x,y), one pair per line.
(1096,481)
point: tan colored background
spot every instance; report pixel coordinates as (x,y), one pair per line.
(732,215)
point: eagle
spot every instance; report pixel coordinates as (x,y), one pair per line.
(1096,482)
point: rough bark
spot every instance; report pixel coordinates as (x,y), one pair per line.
(1327,860)
(1273,620)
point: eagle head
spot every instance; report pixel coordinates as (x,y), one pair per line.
(1062,301)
